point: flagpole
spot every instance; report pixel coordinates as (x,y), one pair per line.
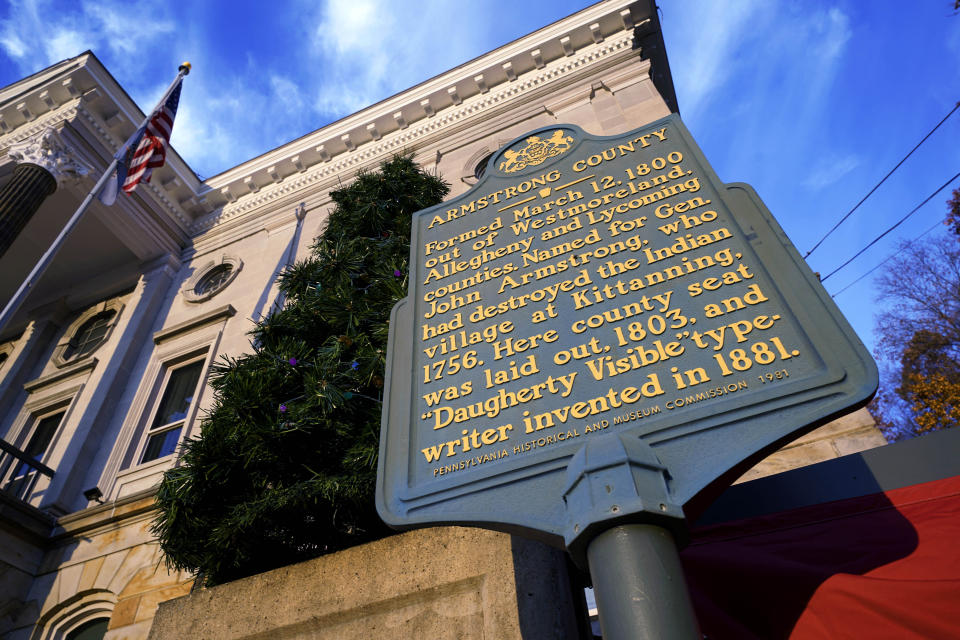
(21,295)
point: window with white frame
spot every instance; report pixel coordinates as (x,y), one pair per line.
(180,388)
(23,475)
(163,412)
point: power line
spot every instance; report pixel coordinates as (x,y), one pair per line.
(886,260)
(897,224)
(820,241)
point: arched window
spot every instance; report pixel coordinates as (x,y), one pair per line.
(90,630)
(481,167)
(214,279)
(88,332)
(211,278)
(89,336)
(6,351)
(83,616)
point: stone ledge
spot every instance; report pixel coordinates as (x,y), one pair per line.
(444,582)
(25,520)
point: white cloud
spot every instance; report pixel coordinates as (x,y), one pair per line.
(830,169)
(13,45)
(207,132)
(121,33)
(358,53)
(23,22)
(335,57)
(750,54)
(56,32)
(206,143)
(371,49)
(287,96)
(346,26)
(65,43)
(831,34)
(708,38)
(226,120)
(350,40)
(126,27)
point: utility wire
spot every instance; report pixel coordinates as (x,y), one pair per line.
(820,241)
(886,260)
(897,224)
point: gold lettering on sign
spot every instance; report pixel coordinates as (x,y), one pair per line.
(536,152)
(612,287)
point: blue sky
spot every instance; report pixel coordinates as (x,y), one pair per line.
(811,103)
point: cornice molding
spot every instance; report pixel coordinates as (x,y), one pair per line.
(111,144)
(274,217)
(420,133)
(56,376)
(136,506)
(220,313)
(406,121)
(75,110)
(562,39)
(50,120)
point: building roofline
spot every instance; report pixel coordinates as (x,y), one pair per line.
(630,14)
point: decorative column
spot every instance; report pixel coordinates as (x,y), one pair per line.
(43,162)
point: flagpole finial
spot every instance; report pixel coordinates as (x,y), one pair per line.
(186,67)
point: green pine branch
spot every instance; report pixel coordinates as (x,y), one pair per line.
(285,464)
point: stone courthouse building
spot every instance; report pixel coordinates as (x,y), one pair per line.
(103,369)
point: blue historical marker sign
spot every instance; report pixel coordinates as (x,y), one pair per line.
(598,332)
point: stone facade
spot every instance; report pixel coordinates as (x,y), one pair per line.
(97,562)
(125,306)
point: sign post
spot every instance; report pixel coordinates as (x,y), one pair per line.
(598,338)
(639,585)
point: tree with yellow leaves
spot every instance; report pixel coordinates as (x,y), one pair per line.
(921,330)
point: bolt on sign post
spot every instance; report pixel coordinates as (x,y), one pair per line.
(600,336)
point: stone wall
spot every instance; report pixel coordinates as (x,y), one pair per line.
(100,563)
(851,433)
(23,536)
(443,582)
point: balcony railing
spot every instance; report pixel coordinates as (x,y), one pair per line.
(19,472)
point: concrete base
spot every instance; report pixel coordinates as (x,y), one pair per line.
(445,582)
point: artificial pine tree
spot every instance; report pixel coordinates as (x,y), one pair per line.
(285,464)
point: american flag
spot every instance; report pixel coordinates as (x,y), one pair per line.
(151,152)
(145,151)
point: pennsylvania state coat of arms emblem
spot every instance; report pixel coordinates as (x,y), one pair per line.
(536,151)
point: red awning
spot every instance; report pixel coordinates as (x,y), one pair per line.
(881,566)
